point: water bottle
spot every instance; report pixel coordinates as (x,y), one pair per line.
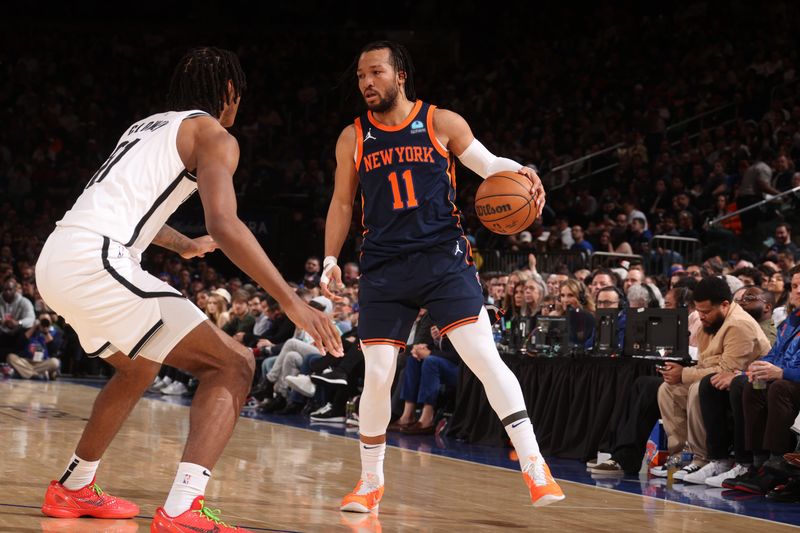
(496,333)
(686,456)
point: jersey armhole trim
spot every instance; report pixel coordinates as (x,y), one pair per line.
(432,134)
(359,143)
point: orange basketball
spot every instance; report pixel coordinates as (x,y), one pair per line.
(504,203)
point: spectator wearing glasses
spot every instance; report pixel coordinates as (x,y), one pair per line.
(759,304)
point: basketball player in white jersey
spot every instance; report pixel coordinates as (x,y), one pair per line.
(89,272)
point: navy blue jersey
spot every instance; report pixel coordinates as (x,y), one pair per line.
(408,187)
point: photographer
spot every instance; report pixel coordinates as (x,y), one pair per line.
(42,340)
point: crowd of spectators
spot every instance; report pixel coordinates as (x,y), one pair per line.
(534,102)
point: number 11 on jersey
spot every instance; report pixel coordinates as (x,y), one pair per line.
(398,200)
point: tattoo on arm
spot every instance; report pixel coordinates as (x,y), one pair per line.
(172,239)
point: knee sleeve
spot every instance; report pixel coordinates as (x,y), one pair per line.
(475,344)
(375,408)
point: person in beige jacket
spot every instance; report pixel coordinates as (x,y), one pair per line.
(730,339)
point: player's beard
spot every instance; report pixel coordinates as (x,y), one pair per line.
(384,104)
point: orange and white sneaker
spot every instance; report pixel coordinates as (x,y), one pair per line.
(91,500)
(544,489)
(197,518)
(365,498)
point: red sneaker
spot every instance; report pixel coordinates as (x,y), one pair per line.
(60,502)
(198,518)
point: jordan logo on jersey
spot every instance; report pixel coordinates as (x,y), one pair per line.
(369,136)
(458,249)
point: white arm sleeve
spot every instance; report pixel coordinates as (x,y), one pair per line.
(483,163)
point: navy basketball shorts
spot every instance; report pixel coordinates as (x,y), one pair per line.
(440,279)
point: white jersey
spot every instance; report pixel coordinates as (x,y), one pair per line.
(140,185)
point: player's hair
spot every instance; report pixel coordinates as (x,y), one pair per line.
(401,61)
(200,81)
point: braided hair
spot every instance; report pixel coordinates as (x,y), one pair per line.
(401,61)
(200,80)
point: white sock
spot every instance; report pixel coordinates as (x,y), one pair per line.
(372,462)
(79,473)
(190,482)
(521,433)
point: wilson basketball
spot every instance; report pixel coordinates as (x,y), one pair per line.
(504,203)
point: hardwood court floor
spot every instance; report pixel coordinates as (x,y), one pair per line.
(278,478)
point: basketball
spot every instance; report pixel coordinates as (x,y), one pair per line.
(504,203)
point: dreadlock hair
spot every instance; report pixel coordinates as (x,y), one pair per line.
(200,80)
(401,61)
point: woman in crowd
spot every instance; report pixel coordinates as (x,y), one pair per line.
(217,310)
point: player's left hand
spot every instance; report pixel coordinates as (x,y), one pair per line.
(537,189)
(200,247)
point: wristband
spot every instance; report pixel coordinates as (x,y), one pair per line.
(327,266)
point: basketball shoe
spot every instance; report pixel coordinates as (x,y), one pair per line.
(544,489)
(198,518)
(366,497)
(59,502)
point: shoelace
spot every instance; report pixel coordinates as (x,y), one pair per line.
(97,490)
(211,514)
(368,485)
(535,471)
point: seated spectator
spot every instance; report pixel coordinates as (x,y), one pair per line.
(783,241)
(554,282)
(748,276)
(290,359)
(759,304)
(602,277)
(639,296)
(577,305)
(263,321)
(432,364)
(350,274)
(779,285)
(769,399)
(17,318)
(533,294)
(38,359)
(217,309)
(241,321)
(579,242)
(634,277)
(612,298)
(312,273)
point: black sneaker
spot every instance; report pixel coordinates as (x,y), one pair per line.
(789,492)
(766,480)
(328,414)
(334,376)
(273,404)
(747,477)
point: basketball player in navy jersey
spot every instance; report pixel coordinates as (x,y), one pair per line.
(402,153)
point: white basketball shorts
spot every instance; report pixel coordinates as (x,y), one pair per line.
(113,305)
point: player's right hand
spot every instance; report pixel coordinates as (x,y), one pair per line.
(330,281)
(318,325)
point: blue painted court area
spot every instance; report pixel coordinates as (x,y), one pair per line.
(568,469)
